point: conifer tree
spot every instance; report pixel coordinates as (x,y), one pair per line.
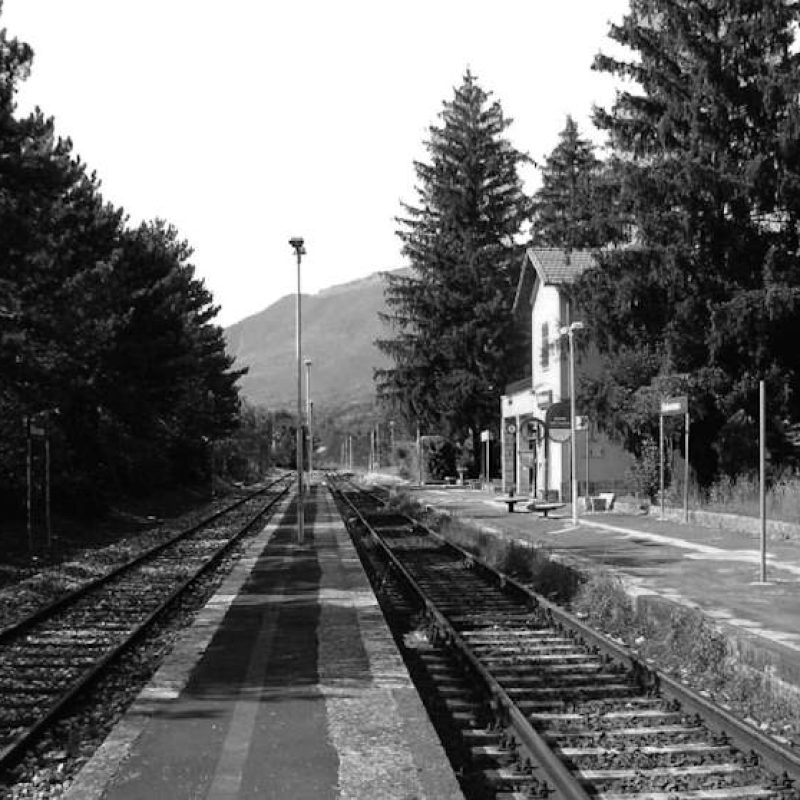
(105,330)
(573,206)
(704,150)
(454,342)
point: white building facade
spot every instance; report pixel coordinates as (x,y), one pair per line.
(534,462)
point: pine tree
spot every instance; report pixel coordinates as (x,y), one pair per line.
(166,347)
(705,153)
(105,330)
(454,342)
(573,208)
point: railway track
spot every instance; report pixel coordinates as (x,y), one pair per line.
(543,705)
(49,657)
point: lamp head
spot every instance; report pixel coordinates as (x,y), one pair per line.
(567,329)
(308,362)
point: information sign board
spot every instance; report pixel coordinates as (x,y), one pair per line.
(558,415)
(674,406)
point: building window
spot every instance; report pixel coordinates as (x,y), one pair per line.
(545,356)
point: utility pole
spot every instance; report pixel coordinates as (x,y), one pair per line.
(309,406)
(299,249)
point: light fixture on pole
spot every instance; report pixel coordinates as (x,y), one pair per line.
(308,416)
(297,244)
(569,331)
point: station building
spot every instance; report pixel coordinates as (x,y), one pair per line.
(536,462)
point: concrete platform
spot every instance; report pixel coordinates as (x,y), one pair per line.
(289,685)
(715,570)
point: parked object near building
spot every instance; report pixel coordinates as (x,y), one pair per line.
(535,430)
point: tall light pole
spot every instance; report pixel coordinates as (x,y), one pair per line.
(308,416)
(569,332)
(297,244)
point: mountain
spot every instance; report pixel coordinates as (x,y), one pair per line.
(340,326)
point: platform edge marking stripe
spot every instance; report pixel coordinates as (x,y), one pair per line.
(383,736)
(92,780)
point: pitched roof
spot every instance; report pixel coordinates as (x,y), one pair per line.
(553,266)
(557,267)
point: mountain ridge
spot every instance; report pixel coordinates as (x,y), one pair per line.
(340,325)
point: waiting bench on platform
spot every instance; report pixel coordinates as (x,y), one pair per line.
(544,508)
(512,501)
(538,506)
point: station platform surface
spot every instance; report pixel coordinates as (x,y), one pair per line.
(289,685)
(715,570)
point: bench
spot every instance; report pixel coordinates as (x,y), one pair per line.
(512,501)
(544,508)
(602,502)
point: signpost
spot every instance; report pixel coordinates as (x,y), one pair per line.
(674,407)
(486,438)
(37,427)
(762,474)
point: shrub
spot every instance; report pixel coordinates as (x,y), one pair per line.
(645,474)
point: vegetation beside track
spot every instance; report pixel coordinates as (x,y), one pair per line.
(681,641)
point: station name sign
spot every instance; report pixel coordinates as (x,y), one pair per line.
(674,406)
(558,415)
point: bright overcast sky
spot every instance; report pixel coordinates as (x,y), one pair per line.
(248,122)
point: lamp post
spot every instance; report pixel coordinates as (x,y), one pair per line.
(297,244)
(569,332)
(308,416)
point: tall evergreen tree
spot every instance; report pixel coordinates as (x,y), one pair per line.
(166,346)
(454,343)
(105,329)
(705,151)
(573,208)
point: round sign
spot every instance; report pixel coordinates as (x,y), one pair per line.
(559,435)
(535,429)
(511,428)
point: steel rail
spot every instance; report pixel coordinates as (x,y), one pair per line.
(12,752)
(745,736)
(41,614)
(565,782)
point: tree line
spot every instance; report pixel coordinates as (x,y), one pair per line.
(692,211)
(107,336)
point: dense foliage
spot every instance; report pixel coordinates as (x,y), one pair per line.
(575,206)
(106,336)
(455,343)
(704,147)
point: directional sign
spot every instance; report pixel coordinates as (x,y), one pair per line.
(674,406)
